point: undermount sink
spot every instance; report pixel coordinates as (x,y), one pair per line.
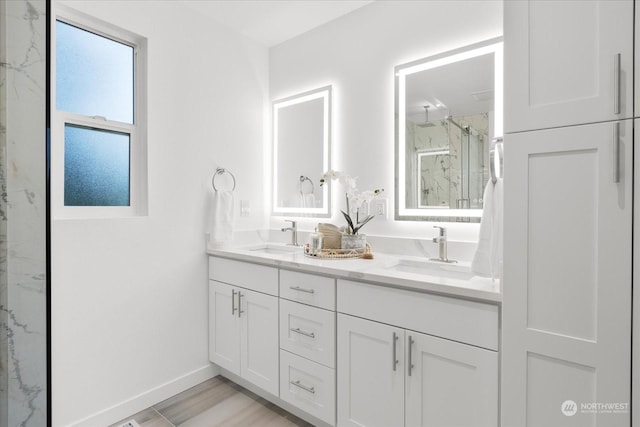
(433,268)
(275,249)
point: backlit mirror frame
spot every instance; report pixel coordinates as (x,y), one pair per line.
(324,93)
(492,46)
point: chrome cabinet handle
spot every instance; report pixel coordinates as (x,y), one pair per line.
(298,288)
(411,341)
(616,152)
(301,332)
(311,390)
(233,301)
(616,83)
(395,356)
(240,310)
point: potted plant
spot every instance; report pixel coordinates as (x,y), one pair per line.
(356,202)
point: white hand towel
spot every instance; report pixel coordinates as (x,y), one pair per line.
(487,260)
(308,200)
(220,227)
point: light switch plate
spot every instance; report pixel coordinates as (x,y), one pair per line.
(379,207)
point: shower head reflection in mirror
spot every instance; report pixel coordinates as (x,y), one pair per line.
(448,108)
(301,152)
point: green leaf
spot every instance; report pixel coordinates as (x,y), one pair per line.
(349,222)
(362,223)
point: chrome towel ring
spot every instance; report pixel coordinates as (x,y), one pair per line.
(221,171)
(302,181)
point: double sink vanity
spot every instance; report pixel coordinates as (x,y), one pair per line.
(394,340)
(397,340)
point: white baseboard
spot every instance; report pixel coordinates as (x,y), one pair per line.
(148,398)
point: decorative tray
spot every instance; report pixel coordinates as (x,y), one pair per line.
(337,253)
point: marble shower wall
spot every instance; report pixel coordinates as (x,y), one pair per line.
(22,213)
(442,178)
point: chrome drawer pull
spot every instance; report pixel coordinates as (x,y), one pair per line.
(616,83)
(395,357)
(298,288)
(411,341)
(233,302)
(301,332)
(616,152)
(240,310)
(304,387)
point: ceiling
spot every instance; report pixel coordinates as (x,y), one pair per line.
(462,88)
(271,22)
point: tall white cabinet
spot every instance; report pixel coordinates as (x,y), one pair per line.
(567,289)
(567,63)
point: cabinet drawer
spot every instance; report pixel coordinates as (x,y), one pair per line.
(256,277)
(309,289)
(308,331)
(308,386)
(456,319)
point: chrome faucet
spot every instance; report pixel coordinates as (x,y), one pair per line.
(294,232)
(441,240)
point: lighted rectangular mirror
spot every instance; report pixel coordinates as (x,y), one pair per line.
(448,109)
(301,153)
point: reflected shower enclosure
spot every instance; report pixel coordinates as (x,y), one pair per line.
(449,160)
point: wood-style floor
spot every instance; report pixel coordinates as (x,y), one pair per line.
(215,402)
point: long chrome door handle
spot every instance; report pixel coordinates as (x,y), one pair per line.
(616,83)
(240,310)
(395,355)
(298,288)
(616,152)
(410,364)
(233,301)
(301,332)
(311,390)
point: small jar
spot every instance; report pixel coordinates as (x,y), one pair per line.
(315,242)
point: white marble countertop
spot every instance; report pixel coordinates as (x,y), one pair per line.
(382,270)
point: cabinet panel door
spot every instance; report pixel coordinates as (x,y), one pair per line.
(308,331)
(567,275)
(450,384)
(370,390)
(561,62)
(224,326)
(259,345)
(308,385)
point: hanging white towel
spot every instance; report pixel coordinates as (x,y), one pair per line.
(308,200)
(487,260)
(220,227)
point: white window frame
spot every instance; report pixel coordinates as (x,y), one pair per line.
(138,191)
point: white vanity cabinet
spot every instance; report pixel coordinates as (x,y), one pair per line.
(307,343)
(567,63)
(567,274)
(243,322)
(391,371)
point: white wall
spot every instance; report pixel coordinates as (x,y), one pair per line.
(129,303)
(357,54)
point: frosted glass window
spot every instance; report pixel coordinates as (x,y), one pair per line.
(94,74)
(96,167)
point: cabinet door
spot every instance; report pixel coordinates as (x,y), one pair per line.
(259,345)
(567,275)
(561,62)
(224,326)
(449,383)
(370,382)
